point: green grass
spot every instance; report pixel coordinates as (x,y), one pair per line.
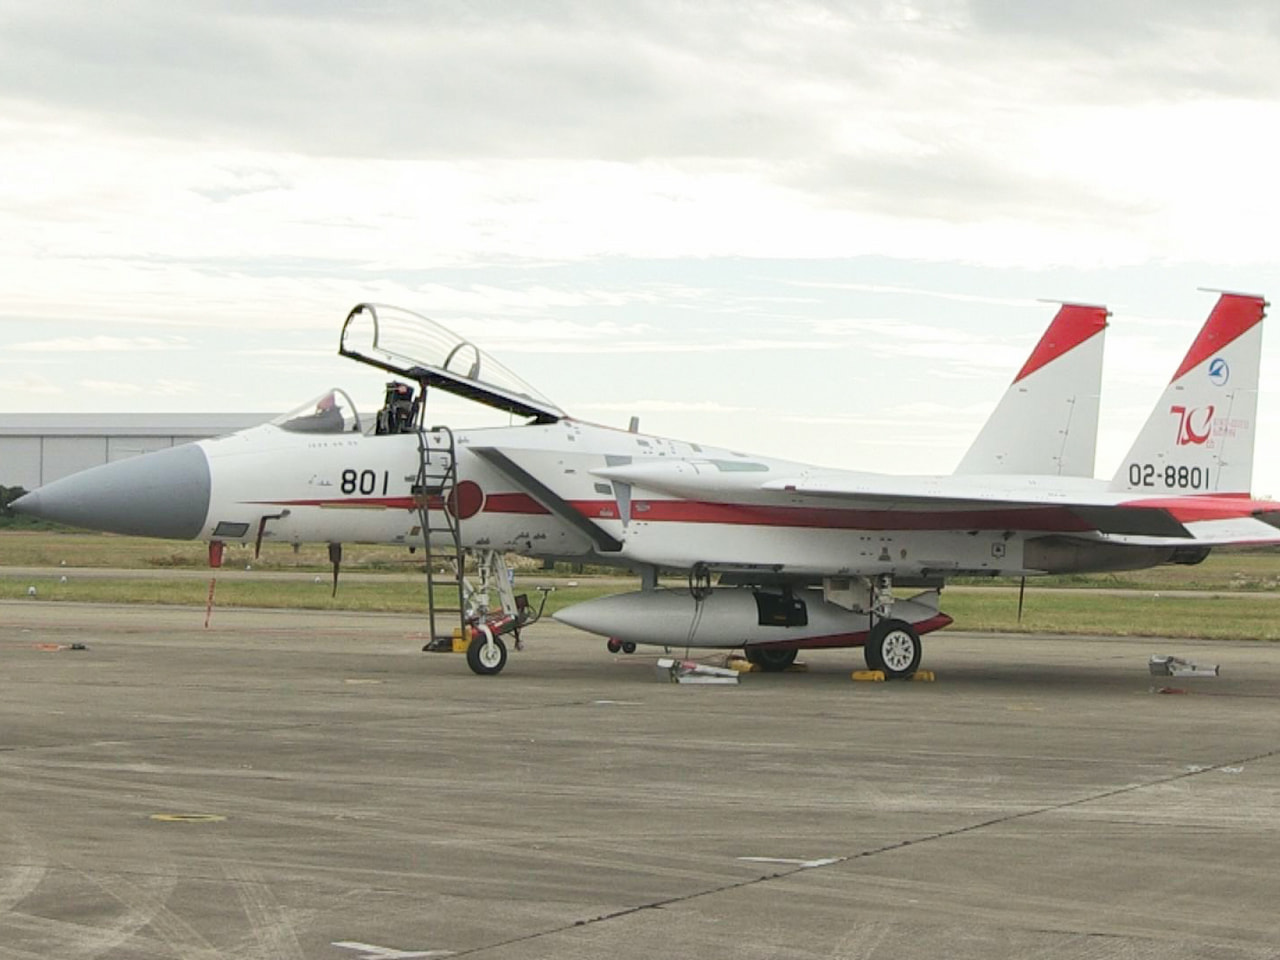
(1074,606)
(1245,570)
(29,548)
(393,596)
(1085,613)
(1046,611)
(1257,569)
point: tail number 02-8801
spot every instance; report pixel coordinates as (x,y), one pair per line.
(1174,478)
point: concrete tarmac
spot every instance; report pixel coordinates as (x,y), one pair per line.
(304,785)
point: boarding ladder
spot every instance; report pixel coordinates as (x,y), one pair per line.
(435,494)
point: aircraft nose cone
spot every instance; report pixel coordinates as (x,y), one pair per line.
(161,494)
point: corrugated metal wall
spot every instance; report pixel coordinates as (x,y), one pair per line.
(39,449)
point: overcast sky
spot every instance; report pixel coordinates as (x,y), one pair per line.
(812,230)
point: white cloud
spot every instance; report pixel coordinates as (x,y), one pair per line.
(153,388)
(665,406)
(36,386)
(101,343)
(916,292)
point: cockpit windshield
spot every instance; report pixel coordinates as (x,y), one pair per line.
(416,347)
(331,412)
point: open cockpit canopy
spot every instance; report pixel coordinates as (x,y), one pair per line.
(419,348)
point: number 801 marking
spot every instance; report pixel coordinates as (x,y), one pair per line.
(366,481)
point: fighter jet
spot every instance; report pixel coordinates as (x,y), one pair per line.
(774,556)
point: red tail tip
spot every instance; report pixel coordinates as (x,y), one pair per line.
(1233,315)
(1074,324)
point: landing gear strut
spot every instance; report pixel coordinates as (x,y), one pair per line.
(486,651)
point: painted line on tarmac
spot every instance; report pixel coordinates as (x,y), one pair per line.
(371,951)
(188,817)
(803,864)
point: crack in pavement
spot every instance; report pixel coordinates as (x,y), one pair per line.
(866,854)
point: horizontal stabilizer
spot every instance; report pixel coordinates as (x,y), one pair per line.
(1132,521)
(1269,517)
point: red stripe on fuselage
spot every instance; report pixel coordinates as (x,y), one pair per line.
(519,503)
(1047,518)
(387,503)
(1044,519)
(513,503)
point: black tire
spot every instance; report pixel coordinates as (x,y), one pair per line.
(871,654)
(479,659)
(896,649)
(613,645)
(771,660)
(628,646)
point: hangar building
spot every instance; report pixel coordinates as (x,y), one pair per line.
(38,448)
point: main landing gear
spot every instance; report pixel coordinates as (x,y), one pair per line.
(770,660)
(894,648)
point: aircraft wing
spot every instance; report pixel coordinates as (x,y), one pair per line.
(1202,520)
(915,502)
(927,494)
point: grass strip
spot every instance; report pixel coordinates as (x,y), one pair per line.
(1045,611)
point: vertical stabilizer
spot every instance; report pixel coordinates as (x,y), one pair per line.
(1199,437)
(1047,421)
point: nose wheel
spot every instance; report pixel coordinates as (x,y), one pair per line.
(614,645)
(486,655)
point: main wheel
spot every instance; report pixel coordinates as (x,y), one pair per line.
(770,660)
(483,660)
(894,647)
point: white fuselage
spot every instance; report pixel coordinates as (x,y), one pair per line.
(359,488)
